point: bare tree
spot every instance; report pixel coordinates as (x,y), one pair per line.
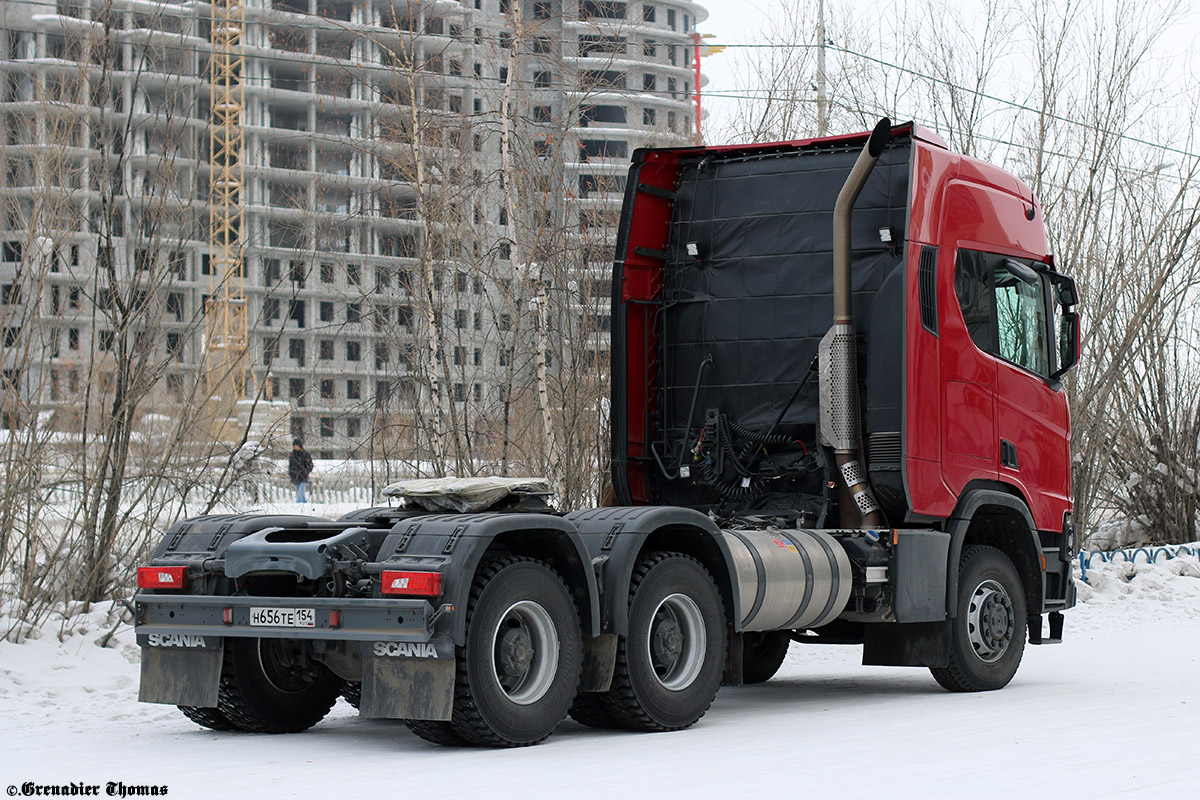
(1076,101)
(107,407)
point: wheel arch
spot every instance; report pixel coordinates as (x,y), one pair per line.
(997,515)
(462,541)
(564,552)
(619,537)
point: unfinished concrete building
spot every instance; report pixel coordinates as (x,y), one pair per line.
(378,181)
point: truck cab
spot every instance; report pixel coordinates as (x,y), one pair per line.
(964,330)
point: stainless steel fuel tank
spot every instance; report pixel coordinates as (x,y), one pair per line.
(789,579)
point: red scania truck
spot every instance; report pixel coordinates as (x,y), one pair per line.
(837,417)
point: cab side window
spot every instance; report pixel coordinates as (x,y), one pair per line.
(1003,302)
(1021,321)
(973,287)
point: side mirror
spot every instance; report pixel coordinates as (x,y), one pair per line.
(1068,295)
(1068,343)
(1020,271)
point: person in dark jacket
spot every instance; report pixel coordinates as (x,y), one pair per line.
(299,467)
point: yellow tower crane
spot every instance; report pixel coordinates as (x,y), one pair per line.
(225,316)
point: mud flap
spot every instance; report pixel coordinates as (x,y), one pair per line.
(182,676)
(403,687)
(599,662)
(914,644)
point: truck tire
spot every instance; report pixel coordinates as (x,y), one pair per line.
(210,718)
(669,666)
(262,692)
(520,669)
(436,731)
(588,709)
(762,654)
(988,636)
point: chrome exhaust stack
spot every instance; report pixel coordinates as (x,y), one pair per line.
(841,421)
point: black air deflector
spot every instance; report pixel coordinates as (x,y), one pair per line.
(884,450)
(757,301)
(927,276)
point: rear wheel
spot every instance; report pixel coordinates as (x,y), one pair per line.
(269,686)
(988,636)
(438,732)
(210,718)
(520,668)
(670,664)
(762,654)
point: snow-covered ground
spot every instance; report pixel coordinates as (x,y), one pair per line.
(1113,711)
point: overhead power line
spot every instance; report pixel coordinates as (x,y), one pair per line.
(306,59)
(958,87)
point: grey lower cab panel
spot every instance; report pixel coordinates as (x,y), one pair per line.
(181,676)
(406,688)
(919,570)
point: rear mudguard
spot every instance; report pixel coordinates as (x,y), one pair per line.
(616,536)
(181,670)
(455,544)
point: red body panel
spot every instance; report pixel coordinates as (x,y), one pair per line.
(960,400)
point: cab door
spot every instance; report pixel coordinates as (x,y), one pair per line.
(968,409)
(1031,413)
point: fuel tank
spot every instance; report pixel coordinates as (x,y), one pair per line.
(789,579)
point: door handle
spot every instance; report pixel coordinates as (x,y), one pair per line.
(1008,455)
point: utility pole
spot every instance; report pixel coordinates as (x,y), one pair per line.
(697,135)
(822,99)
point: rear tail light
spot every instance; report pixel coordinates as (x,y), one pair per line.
(412,584)
(162,577)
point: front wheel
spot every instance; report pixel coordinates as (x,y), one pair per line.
(670,664)
(988,636)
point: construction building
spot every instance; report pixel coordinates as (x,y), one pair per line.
(111,164)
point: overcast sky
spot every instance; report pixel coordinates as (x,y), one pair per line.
(730,21)
(741,22)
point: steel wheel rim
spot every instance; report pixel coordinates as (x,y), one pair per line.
(276,669)
(990,621)
(524,652)
(676,642)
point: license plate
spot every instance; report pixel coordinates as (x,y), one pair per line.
(283,617)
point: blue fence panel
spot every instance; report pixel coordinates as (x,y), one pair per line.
(1130,555)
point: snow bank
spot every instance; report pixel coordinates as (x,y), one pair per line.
(1120,532)
(1128,587)
(61,676)
(1109,713)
